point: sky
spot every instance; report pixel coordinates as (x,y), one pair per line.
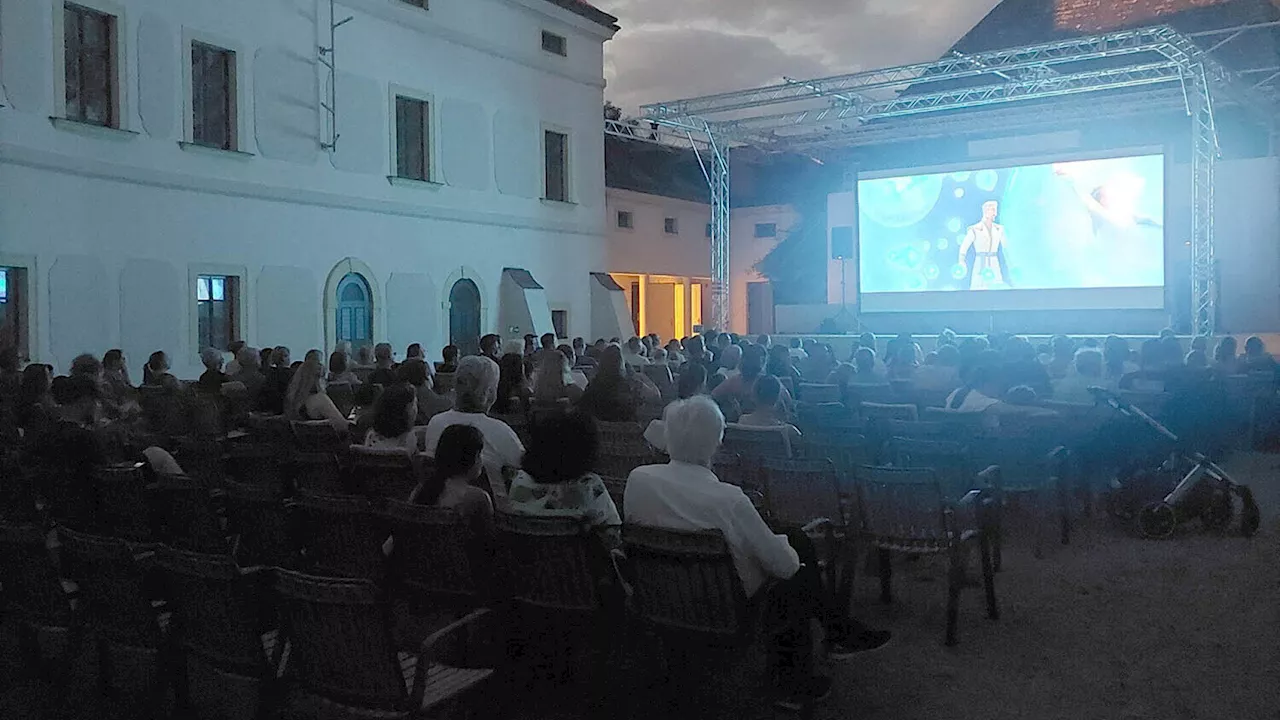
(671,49)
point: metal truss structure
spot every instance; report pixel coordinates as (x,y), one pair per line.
(1128,73)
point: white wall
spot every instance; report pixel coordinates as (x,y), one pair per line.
(646,248)
(745,250)
(117,223)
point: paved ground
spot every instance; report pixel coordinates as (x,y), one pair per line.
(1110,627)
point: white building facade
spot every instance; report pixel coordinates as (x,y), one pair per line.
(178,173)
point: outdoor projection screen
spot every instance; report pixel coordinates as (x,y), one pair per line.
(1076,234)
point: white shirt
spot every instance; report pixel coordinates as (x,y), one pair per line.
(680,496)
(502,448)
(974,402)
(634,359)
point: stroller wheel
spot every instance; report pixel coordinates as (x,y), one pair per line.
(1157,520)
(1218,511)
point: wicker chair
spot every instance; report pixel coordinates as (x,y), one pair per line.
(620,434)
(381,472)
(617,464)
(342,536)
(263,464)
(203,460)
(123,509)
(951,462)
(34,595)
(434,558)
(164,409)
(1026,469)
(805,495)
(261,523)
(757,443)
(903,510)
(185,515)
(343,396)
(223,619)
(818,393)
(207,416)
(267,428)
(878,412)
(342,652)
(117,608)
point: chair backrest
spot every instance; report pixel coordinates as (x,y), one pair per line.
(951,462)
(550,562)
(123,509)
(435,556)
(343,397)
(813,417)
(112,576)
(264,427)
(342,536)
(966,424)
(339,634)
(757,443)
(203,460)
(317,436)
(445,382)
(68,492)
(814,393)
(920,429)
(217,609)
(852,452)
(185,516)
(207,416)
(262,524)
(164,410)
(685,584)
(619,463)
(798,491)
(381,472)
(875,411)
(620,433)
(258,463)
(1024,465)
(901,506)
(319,472)
(31,583)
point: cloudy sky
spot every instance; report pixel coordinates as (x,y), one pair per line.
(671,49)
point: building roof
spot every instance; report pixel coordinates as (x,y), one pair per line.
(588,11)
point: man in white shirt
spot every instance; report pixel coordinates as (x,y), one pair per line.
(476,387)
(686,495)
(633,353)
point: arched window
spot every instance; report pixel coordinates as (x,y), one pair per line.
(464,317)
(355,311)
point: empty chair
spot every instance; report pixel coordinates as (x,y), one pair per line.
(341,650)
(261,525)
(185,515)
(806,495)
(122,509)
(876,411)
(903,510)
(436,560)
(951,462)
(381,472)
(223,624)
(817,393)
(341,536)
(758,442)
(1028,470)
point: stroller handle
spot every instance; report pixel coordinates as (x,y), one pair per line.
(1115,400)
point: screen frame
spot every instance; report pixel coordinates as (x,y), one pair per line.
(1002,163)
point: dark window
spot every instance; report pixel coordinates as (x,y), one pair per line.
(560,323)
(635,307)
(213,109)
(416,3)
(413,137)
(625,220)
(217,310)
(90,46)
(766,230)
(556,158)
(13,310)
(554,43)
(670,227)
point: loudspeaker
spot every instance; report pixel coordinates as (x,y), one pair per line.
(842,242)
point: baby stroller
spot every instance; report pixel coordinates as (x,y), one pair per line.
(1187,485)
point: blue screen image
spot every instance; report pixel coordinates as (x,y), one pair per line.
(1076,224)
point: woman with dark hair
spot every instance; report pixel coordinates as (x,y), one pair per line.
(693,381)
(393,416)
(340,370)
(156,372)
(614,394)
(115,377)
(36,406)
(451,485)
(556,476)
(414,372)
(513,386)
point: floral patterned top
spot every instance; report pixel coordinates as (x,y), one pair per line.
(585,497)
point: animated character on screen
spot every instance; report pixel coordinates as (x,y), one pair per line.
(982,252)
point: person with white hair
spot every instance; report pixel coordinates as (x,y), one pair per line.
(212,379)
(685,494)
(475,390)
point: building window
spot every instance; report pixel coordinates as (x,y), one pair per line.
(213,92)
(416,3)
(13,310)
(766,230)
(90,46)
(556,158)
(625,220)
(670,227)
(413,138)
(560,323)
(554,43)
(217,301)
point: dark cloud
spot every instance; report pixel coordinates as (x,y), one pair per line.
(678,48)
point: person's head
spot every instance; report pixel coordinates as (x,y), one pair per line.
(307,380)
(569,353)
(86,365)
(450,354)
(1168,333)
(1152,356)
(990,209)
(414,351)
(36,382)
(579,345)
(696,346)
(867,340)
(660,356)
(1227,350)
(212,359)
(864,359)
(562,447)
(732,356)
(1062,347)
(382,355)
(548,341)
(1115,351)
(1019,350)
(611,366)
(457,456)
(1254,347)
(693,381)
(158,362)
(694,430)
(337,362)
(1088,363)
(114,361)
(280,357)
(767,392)
(395,411)
(673,346)
(364,356)
(344,347)
(947,337)
(476,384)
(947,356)
(489,345)
(633,346)
(723,340)
(77,396)
(1197,360)
(1200,342)
(514,346)
(778,358)
(413,372)
(234,347)
(530,345)
(752,363)
(985,377)
(250,359)
(264,357)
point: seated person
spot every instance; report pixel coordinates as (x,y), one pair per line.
(475,389)
(940,371)
(450,357)
(581,358)
(1086,372)
(156,372)
(213,378)
(250,376)
(553,381)
(577,378)
(981,392)
(768,412)
(414,372)
(306,399)
(384,371)
(556,477)
(452,484)
(514,393)
(615,394)
(685,494)
(393,417)
(340,370)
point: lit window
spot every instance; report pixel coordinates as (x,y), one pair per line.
(213,107)
(554,43)
(766,230)
(556,159)
(217,310)
(625,219)
(89,39)
(669,226)
(413,139)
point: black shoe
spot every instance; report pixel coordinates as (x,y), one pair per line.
(861,642)
(803,693)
